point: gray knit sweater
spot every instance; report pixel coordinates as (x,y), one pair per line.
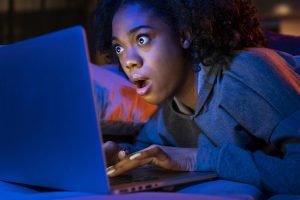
(246,125)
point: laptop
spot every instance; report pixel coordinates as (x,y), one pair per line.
(49,131)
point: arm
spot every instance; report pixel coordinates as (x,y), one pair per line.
(268,109)
(273,174)
(156,146)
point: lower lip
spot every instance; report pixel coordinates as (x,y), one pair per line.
(144,90)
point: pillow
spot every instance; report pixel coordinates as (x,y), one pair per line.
(122,112)
(286,43)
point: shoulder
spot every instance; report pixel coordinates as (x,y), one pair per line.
(259,89)
(266,74)
(251,62)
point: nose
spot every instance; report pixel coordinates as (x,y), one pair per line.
(133,59)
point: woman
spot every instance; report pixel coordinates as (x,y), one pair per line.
(227,104)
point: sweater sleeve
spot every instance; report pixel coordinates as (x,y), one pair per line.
(273,174)
(268,108)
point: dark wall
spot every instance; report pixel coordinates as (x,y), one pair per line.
(19,24)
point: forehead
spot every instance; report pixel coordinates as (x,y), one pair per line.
(134,15)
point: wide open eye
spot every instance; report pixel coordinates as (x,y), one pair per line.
(118,49)
(142,40)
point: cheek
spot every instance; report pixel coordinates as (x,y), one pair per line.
(169,52)
(168,60)
(123,66)
(126,71)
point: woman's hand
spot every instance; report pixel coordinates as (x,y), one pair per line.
(173,158)
(113,153)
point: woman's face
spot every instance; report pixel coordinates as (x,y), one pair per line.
(149,53)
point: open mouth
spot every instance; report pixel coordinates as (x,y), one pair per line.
(142,86)
(140,83)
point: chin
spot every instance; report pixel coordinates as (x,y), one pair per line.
(152,99)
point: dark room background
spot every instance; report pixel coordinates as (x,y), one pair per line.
(22,19)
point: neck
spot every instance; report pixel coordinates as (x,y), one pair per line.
(188,93)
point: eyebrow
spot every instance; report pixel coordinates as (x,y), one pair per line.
(135,29)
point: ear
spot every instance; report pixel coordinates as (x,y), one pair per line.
(186,39)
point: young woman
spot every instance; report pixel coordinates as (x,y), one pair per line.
(225,104)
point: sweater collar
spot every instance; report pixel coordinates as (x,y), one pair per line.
(205,85)
(205,89)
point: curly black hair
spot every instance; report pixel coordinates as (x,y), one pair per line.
(218,26)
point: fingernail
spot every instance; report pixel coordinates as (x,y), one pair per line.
(122,153)
(109,172)
(111,167)
(134,156)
